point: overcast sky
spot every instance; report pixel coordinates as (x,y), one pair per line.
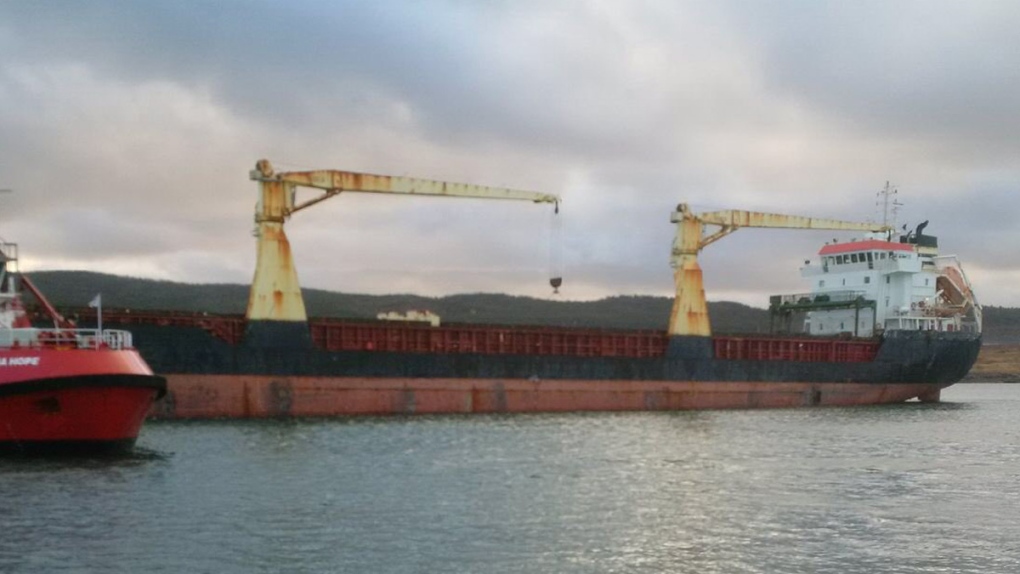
(127,130)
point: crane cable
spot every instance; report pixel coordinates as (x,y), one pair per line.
(555,250)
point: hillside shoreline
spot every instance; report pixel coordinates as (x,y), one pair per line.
(996,364)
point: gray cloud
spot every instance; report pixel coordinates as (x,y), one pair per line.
(918,70)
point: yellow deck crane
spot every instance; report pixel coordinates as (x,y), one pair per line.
(690,311)
(275,292)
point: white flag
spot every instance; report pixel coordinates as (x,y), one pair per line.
(97,301)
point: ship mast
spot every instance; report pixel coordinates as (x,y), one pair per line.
(8,264)
(889,205)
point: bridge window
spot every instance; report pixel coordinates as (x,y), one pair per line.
(867,279)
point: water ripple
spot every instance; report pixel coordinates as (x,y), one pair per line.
(911,488)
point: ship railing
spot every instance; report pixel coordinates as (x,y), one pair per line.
(970,326)
(66,338)
(811,298)
(915,322)
(116,339)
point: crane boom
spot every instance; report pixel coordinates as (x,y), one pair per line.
(352,181)
(690,310)
(335,182)
(276,294)
(738,218)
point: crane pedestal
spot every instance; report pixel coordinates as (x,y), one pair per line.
(276,310)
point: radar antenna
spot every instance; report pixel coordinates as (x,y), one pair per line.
(889,204)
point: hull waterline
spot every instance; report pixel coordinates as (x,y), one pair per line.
(259,396)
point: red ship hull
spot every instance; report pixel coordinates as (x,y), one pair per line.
(73,400)
(255,396)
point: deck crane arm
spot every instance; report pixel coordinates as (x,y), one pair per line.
(334,182)
(276,294)
(690,310)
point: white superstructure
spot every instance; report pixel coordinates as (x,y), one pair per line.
(866,286)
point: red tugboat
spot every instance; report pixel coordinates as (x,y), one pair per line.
(65,389)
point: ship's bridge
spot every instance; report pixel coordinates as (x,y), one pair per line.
(864,286)
(864,255)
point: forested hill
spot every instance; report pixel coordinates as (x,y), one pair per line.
(70,289)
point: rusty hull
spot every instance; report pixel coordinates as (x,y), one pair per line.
(262,396)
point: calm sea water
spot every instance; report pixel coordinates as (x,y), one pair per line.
(908,488)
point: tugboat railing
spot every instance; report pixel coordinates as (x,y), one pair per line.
(113,339)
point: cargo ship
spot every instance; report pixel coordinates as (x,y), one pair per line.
(887,319)
(63,389)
